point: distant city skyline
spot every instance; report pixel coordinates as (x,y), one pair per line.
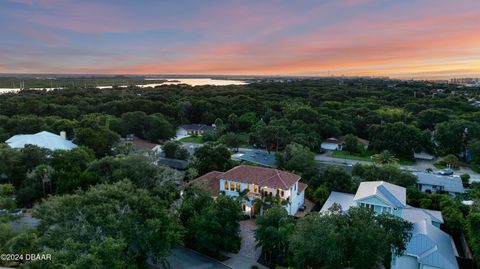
(430,39)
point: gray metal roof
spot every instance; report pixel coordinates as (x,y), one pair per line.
(345,200)
(431,246)
(449,184)
(413,214)
(392,194)
(258,157)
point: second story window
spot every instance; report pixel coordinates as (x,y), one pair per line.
(238,187)
(232,186)
(282,193)
(255,188)
(226,186)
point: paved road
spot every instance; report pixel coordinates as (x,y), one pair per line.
(419,166)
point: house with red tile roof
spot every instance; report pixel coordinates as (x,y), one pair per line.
(254,183)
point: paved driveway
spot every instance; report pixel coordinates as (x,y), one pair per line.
(248,254)
(184,258)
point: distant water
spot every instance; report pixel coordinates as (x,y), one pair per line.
(195,82)
(14,90)
(171,81)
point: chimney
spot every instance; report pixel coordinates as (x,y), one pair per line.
(63,134)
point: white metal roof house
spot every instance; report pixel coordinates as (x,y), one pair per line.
(432,183)
(42,139)
(429,246)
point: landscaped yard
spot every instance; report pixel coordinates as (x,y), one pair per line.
(193,139)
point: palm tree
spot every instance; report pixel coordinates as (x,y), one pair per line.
(384,157)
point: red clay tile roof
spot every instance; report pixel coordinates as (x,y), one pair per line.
(209,182)
(269,177)
(301,187)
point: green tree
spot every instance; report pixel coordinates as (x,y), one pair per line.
(174,150)
(273,232)
(351,143)
(384,157)
(388,173)
(356,239)
(114,226)
(99,139)
(6,196)
(211,226)
(427,119)
(247,120)
(473,233)
(399,138)
(211,157)
(232,140)
(334,178)
(452,135)
(296,158)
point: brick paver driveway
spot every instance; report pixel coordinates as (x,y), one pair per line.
(248,254)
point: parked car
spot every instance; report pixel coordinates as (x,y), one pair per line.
(302,207)
(446,172)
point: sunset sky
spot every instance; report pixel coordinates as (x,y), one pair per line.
(397,38)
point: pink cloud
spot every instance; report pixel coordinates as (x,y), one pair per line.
(45,36)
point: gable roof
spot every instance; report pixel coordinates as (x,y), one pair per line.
(42,139)
(209,182)
(450,184)
(413,214)
(197,127)
(345,200)
(431,246)
(269,177)
(389,193)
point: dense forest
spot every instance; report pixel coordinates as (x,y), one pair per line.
(71,190)
(402,117)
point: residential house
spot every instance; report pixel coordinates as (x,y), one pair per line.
(142,145)
(429,246)
(432,183)
(194,129)
(337,143)
(253,183)
(332,143)
(42,139)
(423,156)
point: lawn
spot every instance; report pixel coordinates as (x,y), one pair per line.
(347,155)
(364,156)
(193,139)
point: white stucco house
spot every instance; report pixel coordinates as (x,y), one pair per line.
(42,139)
(256,183)
(429,247)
